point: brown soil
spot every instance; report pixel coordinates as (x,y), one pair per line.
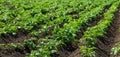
(105,43)
(18,38)
(11,52)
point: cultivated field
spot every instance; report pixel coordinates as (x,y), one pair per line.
(59,28)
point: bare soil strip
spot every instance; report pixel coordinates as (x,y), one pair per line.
(18,38)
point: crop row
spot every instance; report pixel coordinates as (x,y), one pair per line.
(26,14)
(64,19)
(68,32)
(91,34)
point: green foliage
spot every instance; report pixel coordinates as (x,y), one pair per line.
(88,52)
(116,50)
(63,18)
